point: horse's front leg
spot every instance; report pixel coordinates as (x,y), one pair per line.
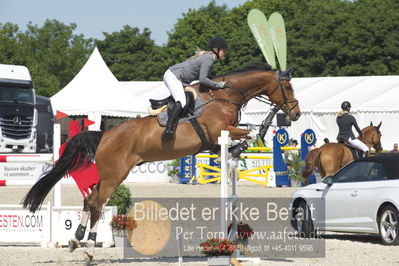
(239,133)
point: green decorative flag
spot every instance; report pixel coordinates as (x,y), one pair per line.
(277,31)
(258,24)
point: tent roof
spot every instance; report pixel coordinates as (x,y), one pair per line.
(325,94)
(320,94)
(95,90)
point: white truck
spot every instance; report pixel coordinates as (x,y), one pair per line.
(18,115)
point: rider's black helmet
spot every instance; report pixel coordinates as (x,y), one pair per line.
(346,105)
(218,43)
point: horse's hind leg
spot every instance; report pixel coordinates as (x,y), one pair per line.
(96,204)
(80,231)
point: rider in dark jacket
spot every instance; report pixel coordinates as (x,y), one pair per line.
(345,122)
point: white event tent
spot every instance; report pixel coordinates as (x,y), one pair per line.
(373,98)
(96,92)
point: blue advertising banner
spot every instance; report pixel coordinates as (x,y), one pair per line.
(280,139)
(308,139)
(187,169)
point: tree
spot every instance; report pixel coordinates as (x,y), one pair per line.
(8,43)
(193,31)
(130,54)
(53,54)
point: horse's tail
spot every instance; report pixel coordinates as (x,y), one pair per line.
(79,152)
(310,163)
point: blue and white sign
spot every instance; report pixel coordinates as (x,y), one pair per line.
(280,139)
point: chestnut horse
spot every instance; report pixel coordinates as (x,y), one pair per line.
(118,150)
(330,157)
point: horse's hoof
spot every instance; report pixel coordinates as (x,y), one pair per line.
(88,258)
(89,252)
(73,244)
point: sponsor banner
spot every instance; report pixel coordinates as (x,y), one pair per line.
(250,163)
(277,31)
(20,225)
(257,22)
(22,171)
(149,172)
(281,139)
(66,220)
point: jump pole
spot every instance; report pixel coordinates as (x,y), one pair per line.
(224,141)
(228,168)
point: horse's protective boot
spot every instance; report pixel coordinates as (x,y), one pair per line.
(236,150)
(173,118)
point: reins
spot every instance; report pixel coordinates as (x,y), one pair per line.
(370,143)
(247,97)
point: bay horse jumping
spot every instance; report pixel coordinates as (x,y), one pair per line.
(330,157)
(118,150)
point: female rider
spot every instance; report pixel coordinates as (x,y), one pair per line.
(181,75)
(345,122)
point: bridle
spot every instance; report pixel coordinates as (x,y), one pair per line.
(377,146)
(284,106)
(246,96)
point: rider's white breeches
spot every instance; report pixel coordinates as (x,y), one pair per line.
(175,87)
(355,143)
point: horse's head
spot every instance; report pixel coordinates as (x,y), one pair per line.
(258,80)
(372,136)
(280,92)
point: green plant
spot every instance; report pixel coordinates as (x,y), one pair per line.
(217,247)
(174,168)
(121,222)
(295,165)
(121,199)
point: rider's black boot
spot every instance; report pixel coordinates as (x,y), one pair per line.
(365,154)
(173,118)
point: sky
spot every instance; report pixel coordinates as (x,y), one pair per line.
(93,17)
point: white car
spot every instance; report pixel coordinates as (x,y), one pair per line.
(362,197)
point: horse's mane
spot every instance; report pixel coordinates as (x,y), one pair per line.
(251,67)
